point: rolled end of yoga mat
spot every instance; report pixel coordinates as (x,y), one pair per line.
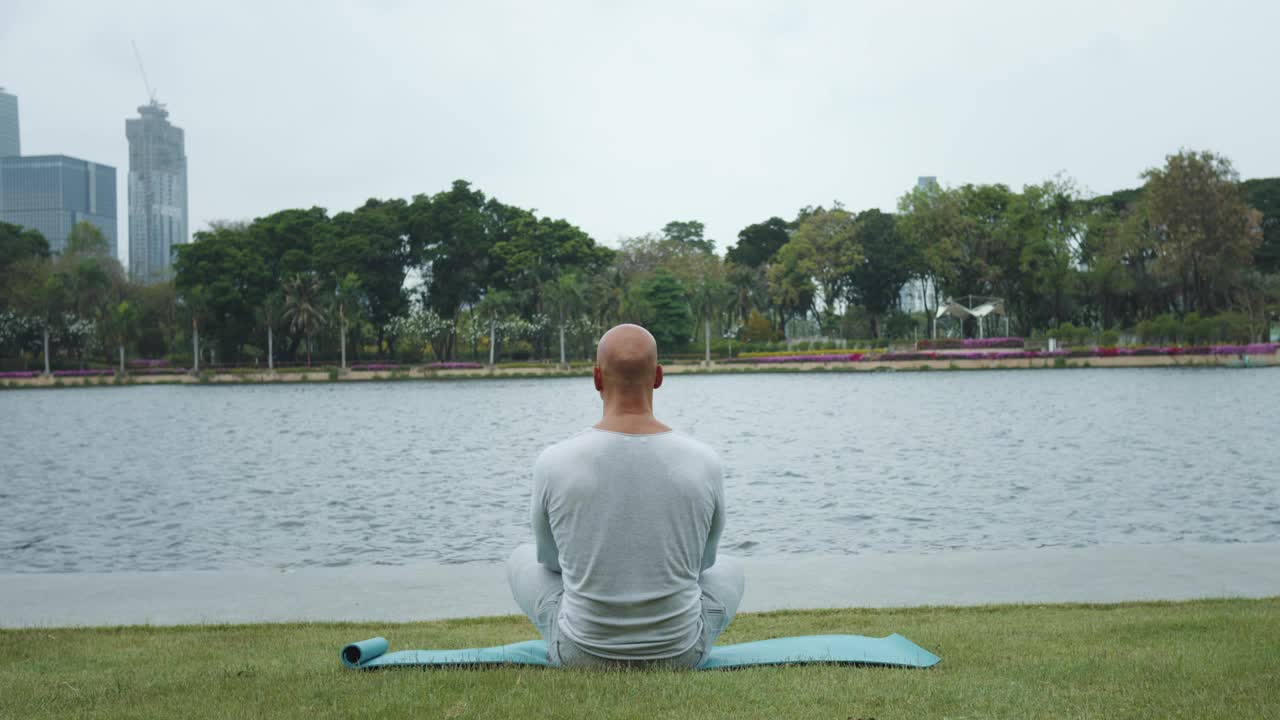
(358,653)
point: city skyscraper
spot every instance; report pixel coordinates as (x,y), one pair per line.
(10,143)
(51,193)
(157,192)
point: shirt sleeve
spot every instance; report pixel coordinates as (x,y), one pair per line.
(717,521)
(548,553)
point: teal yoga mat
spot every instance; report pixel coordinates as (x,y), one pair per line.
(893,651)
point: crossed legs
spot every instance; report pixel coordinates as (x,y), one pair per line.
(537,591)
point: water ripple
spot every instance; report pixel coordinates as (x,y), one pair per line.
(359,474)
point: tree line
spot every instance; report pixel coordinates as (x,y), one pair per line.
(459,274)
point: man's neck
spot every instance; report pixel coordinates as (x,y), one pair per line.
(630,415)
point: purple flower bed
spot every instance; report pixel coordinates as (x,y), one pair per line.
(843,357)
(82,373)
(453,366)
(1007,355)
(971,343)
(375,367)
(995,342)
(19,374)
(159,371)
(906,356)
(1253,349)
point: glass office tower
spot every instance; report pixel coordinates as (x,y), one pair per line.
(52,193)
(157,192)
(9,143)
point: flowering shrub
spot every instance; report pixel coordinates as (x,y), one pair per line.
(995,342)
(793,353)
(940,344)
(907,356)
(19,374)
(970,343)
(1005,355)
(82,373)
(1174,350)
(774,359)
(1251,349)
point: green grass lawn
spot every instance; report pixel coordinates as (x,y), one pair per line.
(1205,659)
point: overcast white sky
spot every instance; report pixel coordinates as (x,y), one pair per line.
(623,116)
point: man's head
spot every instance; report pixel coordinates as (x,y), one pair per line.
(627,360)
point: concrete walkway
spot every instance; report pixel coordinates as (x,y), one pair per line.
(432,591)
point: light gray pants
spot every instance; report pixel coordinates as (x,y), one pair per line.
(537,591)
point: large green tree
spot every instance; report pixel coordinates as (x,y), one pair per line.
(41,292)
(670,319)
(452,234)
(836,252)
(1263,195)
(372,243)
(222,278)
(1207,233)
(690,233)
(790,277)
(758,243)
(536,253)
(16,245)
(876,283)
(930,220)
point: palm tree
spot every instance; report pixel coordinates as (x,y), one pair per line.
(347,300)
(565,292)
(120,321)
(493,303)
(303,306)
(707,294)
(269,314)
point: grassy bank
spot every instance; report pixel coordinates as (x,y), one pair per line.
(1205,659)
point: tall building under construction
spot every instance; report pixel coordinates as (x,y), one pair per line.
(157,192)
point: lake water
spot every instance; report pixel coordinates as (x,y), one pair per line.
(216,477)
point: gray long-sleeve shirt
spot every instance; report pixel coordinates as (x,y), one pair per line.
(630,522)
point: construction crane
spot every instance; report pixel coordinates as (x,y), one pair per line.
(151,93)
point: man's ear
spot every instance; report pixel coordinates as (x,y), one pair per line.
(599,378)
(657,378)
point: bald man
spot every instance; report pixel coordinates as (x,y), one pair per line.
(626,516)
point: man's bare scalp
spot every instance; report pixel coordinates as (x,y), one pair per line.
(627,356)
